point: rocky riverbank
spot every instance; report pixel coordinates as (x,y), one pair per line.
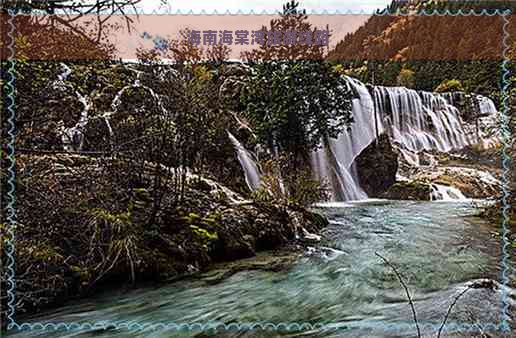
(75,242)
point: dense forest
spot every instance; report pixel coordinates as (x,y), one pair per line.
(431,49)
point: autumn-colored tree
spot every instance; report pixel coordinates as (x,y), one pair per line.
(218,53)
(406,78)
(428,45)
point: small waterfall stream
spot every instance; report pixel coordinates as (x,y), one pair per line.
(446,193)
(72,137)
(486,105)
(251,171)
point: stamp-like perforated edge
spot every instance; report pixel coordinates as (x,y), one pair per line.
(11,201)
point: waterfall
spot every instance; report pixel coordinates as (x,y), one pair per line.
(251,172)
(73,137)
(446,193)
(483,130)
(486,105)
(117,101)
(334,160)
(487,124)
(420,120)
(415,121)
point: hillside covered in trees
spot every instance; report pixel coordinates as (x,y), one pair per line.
(434,48)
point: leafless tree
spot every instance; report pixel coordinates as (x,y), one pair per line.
(72,14)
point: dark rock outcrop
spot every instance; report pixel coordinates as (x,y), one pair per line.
(377,166)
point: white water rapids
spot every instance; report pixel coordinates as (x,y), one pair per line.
(446,193)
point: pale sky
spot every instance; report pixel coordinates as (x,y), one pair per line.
(147,28)
(367,6)
(167,26)
(162,26)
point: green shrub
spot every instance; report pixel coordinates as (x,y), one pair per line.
(406,78)
(449,86)
(305,190)
(204,236)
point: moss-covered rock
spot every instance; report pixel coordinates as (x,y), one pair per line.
(317,219)
(409,190)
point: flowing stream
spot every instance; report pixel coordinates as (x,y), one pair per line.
(437,247)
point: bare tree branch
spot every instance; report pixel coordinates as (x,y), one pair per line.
(406,291)
(450,308)
(68,12)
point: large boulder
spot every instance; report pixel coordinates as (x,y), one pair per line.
(377,166)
